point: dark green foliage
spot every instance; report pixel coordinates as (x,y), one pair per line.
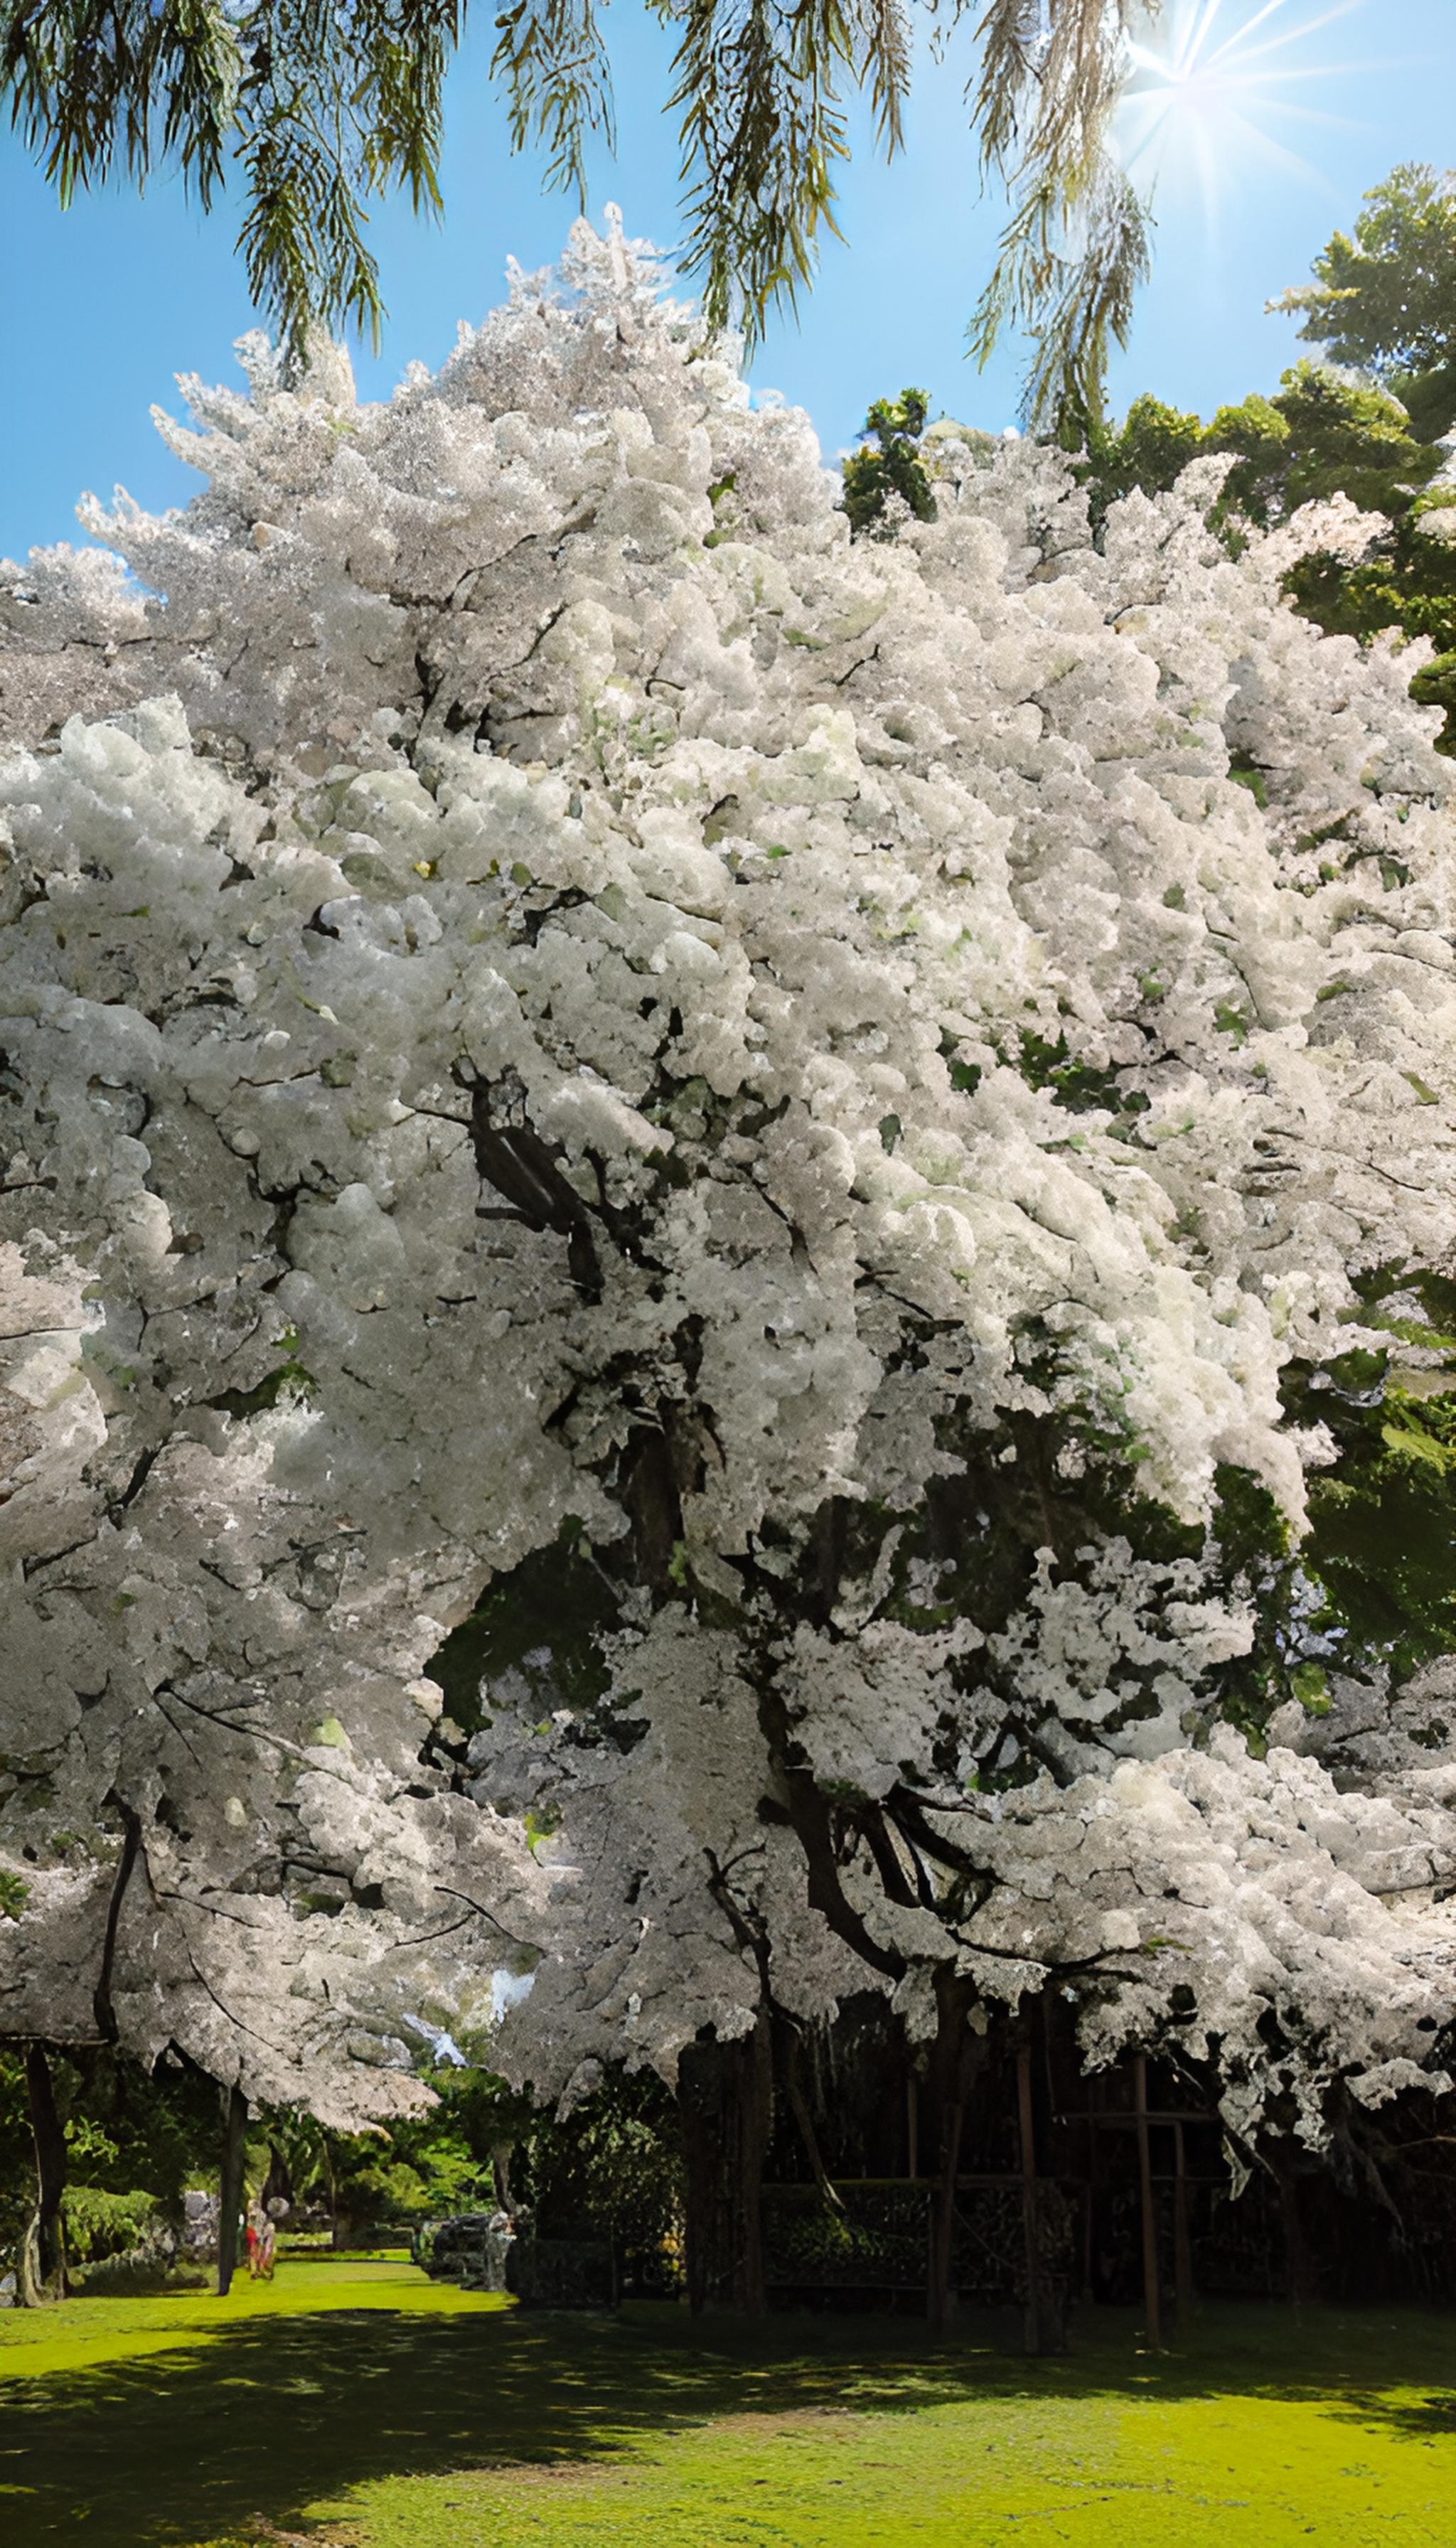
(1075,1084)
(321,107)
(532,1638)
(613,2170)
(1151,448)
(368,2184)
(17,2158)
(1342,437)
(888,463)
(1319,436)
(126,2128)
(610,2170)
(1385,302)
(552,64)
(100,2224)
(134,2143)
(1411,585)
(1382,1541)
(764,131)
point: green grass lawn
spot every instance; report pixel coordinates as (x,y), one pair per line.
(354,2402)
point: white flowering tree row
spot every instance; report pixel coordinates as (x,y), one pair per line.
(665,1179)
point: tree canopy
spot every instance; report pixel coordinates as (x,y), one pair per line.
(312,110)
(728,1253)
(1386,300)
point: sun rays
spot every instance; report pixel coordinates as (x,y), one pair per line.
(1215,87)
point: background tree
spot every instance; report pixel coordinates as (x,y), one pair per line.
(1386,303)
(130,2143)
(888,463)
(312,110)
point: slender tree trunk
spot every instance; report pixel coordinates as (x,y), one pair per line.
(1151,2288)
(229,2192)
(42,2251)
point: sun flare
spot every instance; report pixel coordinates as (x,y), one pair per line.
(1215,86)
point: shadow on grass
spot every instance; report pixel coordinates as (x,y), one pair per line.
(193,2445)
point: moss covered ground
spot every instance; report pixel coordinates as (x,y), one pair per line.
(354,2402)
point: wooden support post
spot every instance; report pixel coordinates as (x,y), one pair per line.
(1151,2294)
(1304,2282)
(756,2124)
(229,2189)
(912,2126)
(943,2219)
(1182,2243)
(1089,2213)
(953,2066)
(43,2250)
(1029,2221)
(725,2097)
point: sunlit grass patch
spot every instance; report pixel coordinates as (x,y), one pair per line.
(1038,2469)
(83,2334)
(354,2403)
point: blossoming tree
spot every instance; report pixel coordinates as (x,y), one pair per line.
(684,1199)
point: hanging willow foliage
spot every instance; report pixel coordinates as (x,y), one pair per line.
(318,106)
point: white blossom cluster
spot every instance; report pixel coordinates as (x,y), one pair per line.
(564,1021)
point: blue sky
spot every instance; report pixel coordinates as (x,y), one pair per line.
(1293,107)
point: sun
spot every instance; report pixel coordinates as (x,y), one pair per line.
(1217,85)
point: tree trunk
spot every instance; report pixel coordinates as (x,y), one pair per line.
(43,2252)
(229,2192)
